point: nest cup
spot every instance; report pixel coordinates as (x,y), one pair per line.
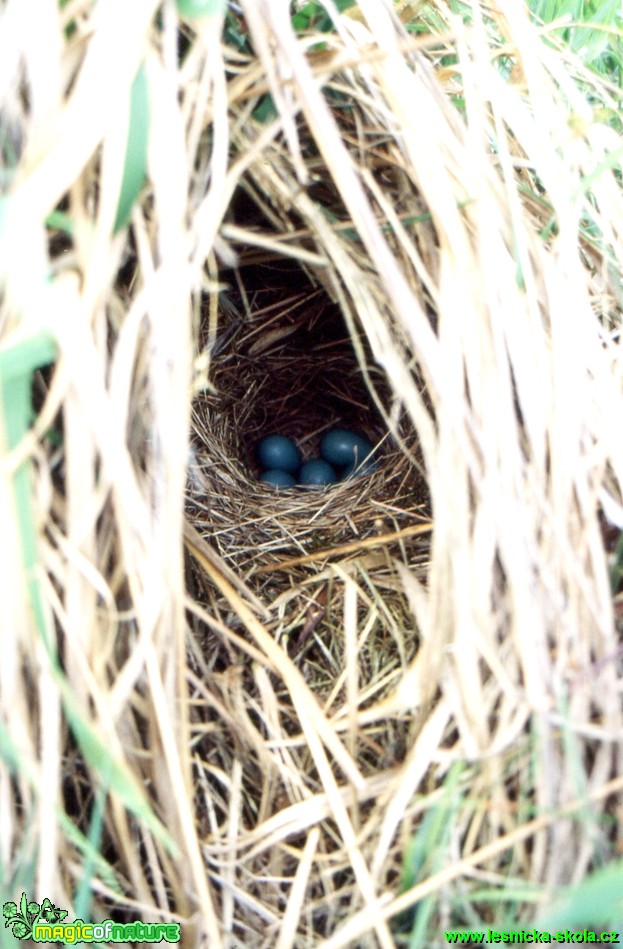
(284,362)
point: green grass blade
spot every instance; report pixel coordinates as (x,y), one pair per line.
(135,167)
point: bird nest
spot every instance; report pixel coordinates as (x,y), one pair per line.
(285,360)
(367,712)
(288,364)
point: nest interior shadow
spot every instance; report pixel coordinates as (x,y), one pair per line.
(283,361)
(295,368)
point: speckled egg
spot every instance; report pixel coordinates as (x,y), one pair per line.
(344,448)
(278,478)
(278,452)
(317,473)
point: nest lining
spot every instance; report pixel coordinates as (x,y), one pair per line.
(287,365)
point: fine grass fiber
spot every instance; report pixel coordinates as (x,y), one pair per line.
(357,716)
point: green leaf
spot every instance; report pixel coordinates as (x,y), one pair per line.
(115,774)
(300,21)
(22,360)
(234,35)
(59,221)
(135,166)
(597,901)
(17,364)
(196,8)
(425,853)
(84,893)
(265,110)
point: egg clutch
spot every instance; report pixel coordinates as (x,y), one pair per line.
(344,454)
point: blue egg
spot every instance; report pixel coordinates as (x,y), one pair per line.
(365,467)
(344,448)
(278,451)
(317,473)
(278,478)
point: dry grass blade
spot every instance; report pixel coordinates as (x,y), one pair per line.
(355,546)
(286,717)
(358,926)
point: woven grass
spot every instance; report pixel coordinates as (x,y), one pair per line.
(354,716)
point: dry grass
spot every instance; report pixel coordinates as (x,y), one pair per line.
(238,709)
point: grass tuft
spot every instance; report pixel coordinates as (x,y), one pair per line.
(357,716)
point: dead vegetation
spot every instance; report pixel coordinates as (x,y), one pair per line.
(264,715)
